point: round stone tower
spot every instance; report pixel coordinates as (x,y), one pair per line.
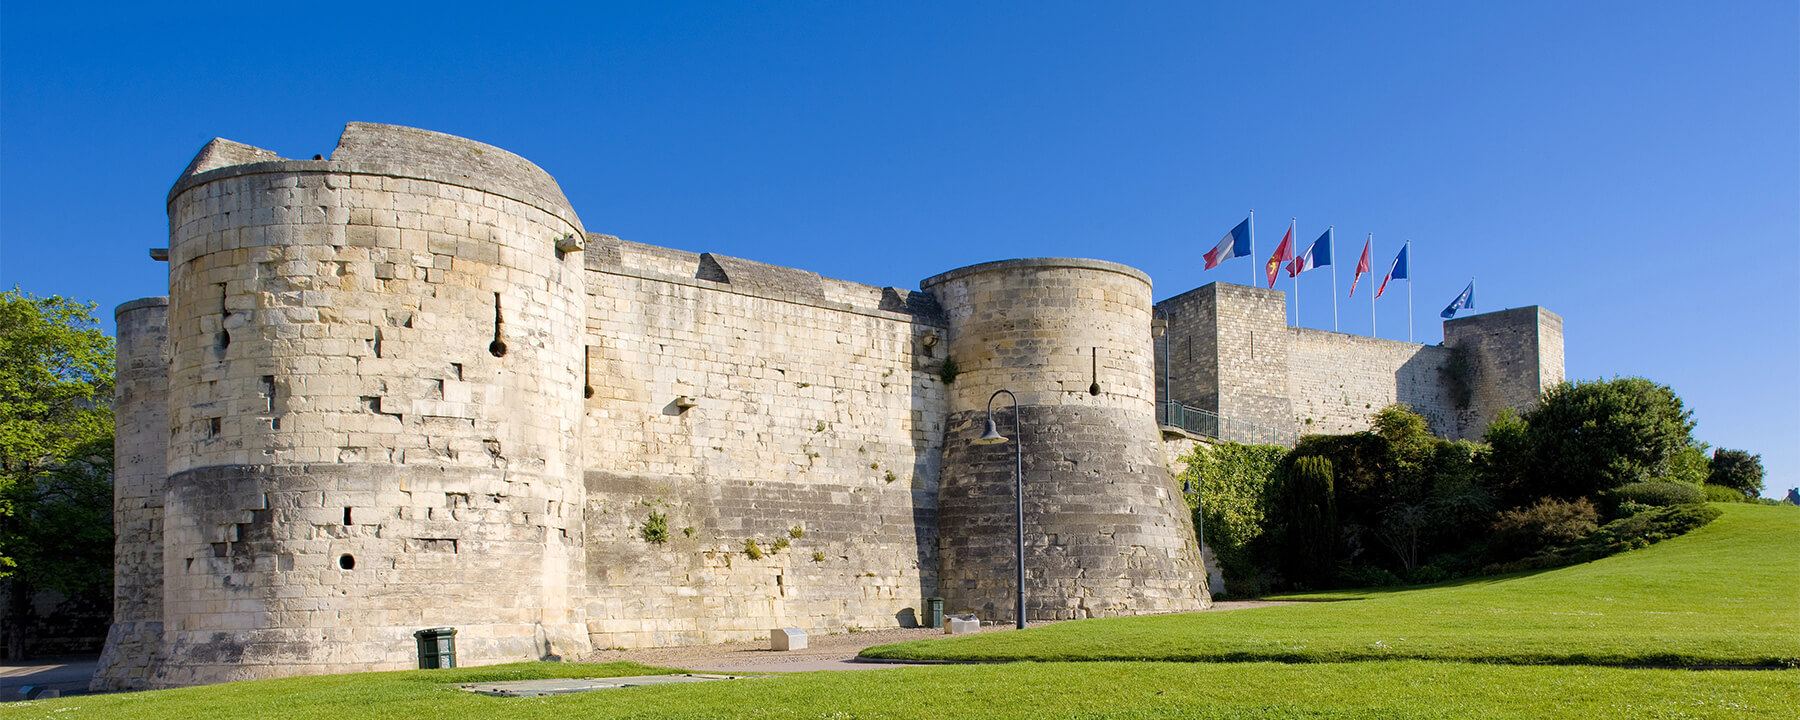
(141,443)
(1106,530)
(374,396)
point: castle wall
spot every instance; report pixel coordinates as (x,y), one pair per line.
(1514,355)
(1339,381)
(374,395)
(133,649)
(1231,352)
(402,388)
(1230,346)
(1106,532)
(816,423)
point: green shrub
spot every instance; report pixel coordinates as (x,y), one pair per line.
(752,549)
(1548,522)
(1638,531)
(1427,574)
(656,528)
(1739,470)
(1366,576)
(1656,493)
(1720,493)
(1229,489)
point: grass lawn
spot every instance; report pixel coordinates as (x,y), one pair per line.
(1524,646)
(1401,689)
(1726,594)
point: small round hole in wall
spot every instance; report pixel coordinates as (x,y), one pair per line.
(1094,389)
(497,348)
(346,561)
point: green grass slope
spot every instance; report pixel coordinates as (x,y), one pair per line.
(1725,594)
(1400,690)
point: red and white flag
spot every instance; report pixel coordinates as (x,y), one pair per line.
(1283,254)
(1363,265)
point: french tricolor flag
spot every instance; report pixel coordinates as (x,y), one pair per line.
(1321,248)
(1235,244)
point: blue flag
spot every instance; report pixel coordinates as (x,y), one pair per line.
(1395,272)
(1465,300)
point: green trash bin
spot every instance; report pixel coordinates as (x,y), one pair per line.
(437,648)
(934,612)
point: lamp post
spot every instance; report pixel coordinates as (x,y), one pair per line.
(990,435)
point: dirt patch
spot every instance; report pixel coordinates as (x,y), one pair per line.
(823,652)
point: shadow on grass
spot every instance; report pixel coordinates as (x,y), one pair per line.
(1367,593)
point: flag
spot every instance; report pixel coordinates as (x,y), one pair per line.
(1363,265)
(1310,259)
(1397,271)
(1235,244)
(1465,300)
(1283,253)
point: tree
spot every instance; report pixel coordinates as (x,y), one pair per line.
(1309,504)
(1586,437)
(56,383)
(1738,470)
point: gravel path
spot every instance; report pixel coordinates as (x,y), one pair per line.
(823,652)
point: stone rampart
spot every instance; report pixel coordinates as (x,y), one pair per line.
(1105,530)
(746,404)
(374,383)
(133,651)
(403,388)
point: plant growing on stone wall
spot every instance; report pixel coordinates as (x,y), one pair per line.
(948,371)
(1458,376)
(796,532)
(752,549)
(656,528)
(890,477)
(688,531)
(1230,491)
(818,556)
(779,545)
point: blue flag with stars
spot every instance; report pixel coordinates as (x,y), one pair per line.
(1465,300)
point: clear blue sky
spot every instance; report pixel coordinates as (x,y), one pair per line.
(1632,166)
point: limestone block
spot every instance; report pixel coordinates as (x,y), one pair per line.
(784,639)
(962,625)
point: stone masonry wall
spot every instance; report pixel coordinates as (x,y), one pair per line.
(1339,381)
(745,403)
(1105,530)
(1514,356)
(133,649)
(375,380)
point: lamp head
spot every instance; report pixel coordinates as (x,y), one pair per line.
(990,435)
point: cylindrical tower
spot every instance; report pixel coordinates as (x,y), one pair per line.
(374,400)
(140,474)
(1106,532)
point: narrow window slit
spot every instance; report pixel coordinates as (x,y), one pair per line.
(497,348)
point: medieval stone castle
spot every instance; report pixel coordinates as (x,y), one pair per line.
(404,388)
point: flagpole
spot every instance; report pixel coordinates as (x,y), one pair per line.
(1409,310)
(1331,259)
(1294,228)
(1252,248)
(1372,256)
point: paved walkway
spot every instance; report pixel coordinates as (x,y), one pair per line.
(823,652)
(68,675)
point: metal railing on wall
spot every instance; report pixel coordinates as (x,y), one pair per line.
(1211,424)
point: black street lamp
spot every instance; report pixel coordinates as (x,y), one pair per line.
(990,435)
